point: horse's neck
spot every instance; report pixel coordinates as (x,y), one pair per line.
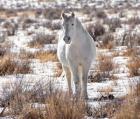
(79,26)
(80,30)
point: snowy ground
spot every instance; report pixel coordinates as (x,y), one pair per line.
(47,71)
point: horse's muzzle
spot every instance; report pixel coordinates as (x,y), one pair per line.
(67,39)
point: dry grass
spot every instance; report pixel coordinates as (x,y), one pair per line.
(32,114)
(131,108)
(129,111)
(65,107)
(9,66)
(59,70)
(45,56)
(106,91)
(134,66)
(7,13)
(105,63)
(58,106)
(24,55)
(20,96)
(105,66)
(125,108)
(41,39)
(131,52)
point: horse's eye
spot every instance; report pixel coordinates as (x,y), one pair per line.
(72,24)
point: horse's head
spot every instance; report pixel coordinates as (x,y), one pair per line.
(68,24)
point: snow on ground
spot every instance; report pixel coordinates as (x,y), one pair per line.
(46,71)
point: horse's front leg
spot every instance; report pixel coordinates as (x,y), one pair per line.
(84,82)
(75,77)
(68,77)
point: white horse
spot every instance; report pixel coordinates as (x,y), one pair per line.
(76,51)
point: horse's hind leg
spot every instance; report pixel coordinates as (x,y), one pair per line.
(84,82)
(68,77)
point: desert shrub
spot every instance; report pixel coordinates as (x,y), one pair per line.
(41,39)
(134,20)
(9,66)
(104,69)
(3,35)
(96,30)
(10,27)
(45,56)
(105,66)
(122,14)
(131,39)
(27,22)
(113,23)
(2,51)
(101,14)
(107,41)
(90,30)
(105,63)
(38,12)
(134,66)
(54,13)
(55,26)
(86,9)
(105,111)
(52,25)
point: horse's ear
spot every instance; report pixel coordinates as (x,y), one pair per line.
(63,15)
(72,14)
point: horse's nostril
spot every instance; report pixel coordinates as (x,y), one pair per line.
(68,38)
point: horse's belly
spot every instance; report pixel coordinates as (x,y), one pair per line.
(61,53)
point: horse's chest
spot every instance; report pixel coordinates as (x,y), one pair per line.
(72,53)
(61,53)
